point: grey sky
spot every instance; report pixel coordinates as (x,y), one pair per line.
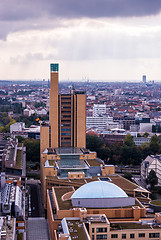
(17,10)
(123,34)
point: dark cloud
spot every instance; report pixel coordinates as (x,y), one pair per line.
(17,15)
(14,10)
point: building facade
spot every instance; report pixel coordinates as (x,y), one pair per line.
(67,116)
(152,162)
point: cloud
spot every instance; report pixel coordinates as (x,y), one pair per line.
(18,10)
(17,15)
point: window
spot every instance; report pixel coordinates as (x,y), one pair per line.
(142,235)
(101,230)
(65,129)
(132,235)
(92,237)
(104,236)
(154,235)
(65,125)
(92,230)
(65,107)
(67,134)
(114,235)
(66,116)
(123,236)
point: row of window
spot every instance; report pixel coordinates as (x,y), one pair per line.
(66,103)
(99,230)
(64,107)
(65,116)
(103,236)
(64,138)
(66,134)
(66,120)
(65,97)
(66,129)
(66,125)
(140,235)
(65,111)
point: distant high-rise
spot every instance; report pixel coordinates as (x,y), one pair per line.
(144,78)
(67,117)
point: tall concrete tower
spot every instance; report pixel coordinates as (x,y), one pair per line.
(53,111)
(67,117)
(144,78)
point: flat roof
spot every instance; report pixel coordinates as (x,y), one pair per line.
(60,191)
(123,183)
(129,225)
(76,230)
(93,162)
(99,218)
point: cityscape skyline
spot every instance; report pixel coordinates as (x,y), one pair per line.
(99,40)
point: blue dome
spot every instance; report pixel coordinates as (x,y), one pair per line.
(99,189)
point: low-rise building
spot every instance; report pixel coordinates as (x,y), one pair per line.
(152,162)
(95,211)
(141,140)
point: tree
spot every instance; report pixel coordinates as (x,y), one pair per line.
(159,129)
(93,142)
(153,128)
(152,179)
(128,176)
(145,134)
(104,153)
(129,140)
(32,150)
(139,135)
(39,104)
(145,150)
(155,144)
(20,139)
(130,155)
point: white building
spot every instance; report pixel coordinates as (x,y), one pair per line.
(12,196)
(27,112)
(17,127)
(151,163)
(114,125)
(97,122)
(146,127)
(99,109)
(41,112)
(91,97)
(141,140)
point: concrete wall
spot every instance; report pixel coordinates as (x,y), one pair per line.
(103,202)
(81,120)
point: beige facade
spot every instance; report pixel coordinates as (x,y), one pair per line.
(67,117)
(107,170)
(53,113)
(44,137)
(76,175)
(81,121)
(118,223)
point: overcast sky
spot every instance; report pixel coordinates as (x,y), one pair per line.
(109,40)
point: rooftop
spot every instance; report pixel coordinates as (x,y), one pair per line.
(131,225)
(93,162)
(60,191)
(76,229)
